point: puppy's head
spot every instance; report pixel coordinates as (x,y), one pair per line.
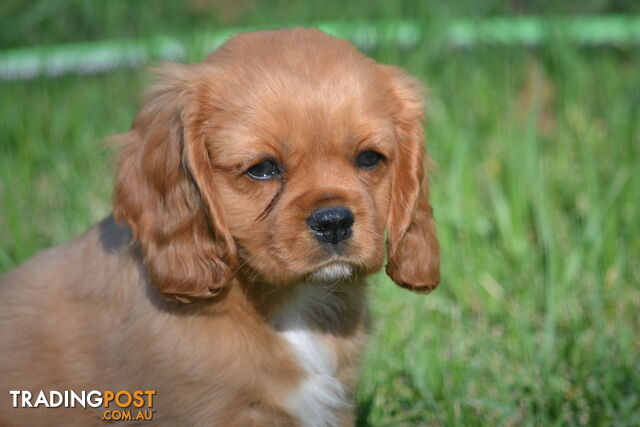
(286,155)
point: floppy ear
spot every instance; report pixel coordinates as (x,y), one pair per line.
(412,242)
(164,191)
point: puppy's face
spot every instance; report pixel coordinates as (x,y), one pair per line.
(287,155)
(302,168)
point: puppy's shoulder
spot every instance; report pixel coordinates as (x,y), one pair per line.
(102,252)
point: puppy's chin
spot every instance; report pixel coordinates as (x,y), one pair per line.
(332,272)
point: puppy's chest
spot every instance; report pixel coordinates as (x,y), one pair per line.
(319,395)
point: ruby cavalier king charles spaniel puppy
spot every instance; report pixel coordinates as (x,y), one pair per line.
(253,195)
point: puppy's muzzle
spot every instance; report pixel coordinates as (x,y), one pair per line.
(331,225)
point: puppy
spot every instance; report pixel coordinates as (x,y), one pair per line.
(253,195)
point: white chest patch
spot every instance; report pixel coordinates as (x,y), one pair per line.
(320,395)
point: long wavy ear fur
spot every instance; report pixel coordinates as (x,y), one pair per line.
(413,251)
(164,191)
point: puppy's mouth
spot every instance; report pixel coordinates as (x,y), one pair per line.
(332,272)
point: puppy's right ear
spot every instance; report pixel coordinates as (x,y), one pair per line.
(164,191)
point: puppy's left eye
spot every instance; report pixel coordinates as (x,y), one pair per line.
(369,159)
(264,170)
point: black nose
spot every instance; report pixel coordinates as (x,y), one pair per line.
(331,225)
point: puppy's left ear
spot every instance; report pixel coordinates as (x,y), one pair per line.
(412,242)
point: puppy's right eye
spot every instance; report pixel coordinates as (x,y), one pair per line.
(264,170)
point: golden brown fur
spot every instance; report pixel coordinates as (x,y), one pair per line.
(182,292)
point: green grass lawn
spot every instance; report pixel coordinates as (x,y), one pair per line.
(536,190)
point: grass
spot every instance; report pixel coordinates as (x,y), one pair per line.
(537,198)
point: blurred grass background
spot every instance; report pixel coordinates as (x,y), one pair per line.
(536,193)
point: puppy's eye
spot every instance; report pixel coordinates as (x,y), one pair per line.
(369,159)
(264,170)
